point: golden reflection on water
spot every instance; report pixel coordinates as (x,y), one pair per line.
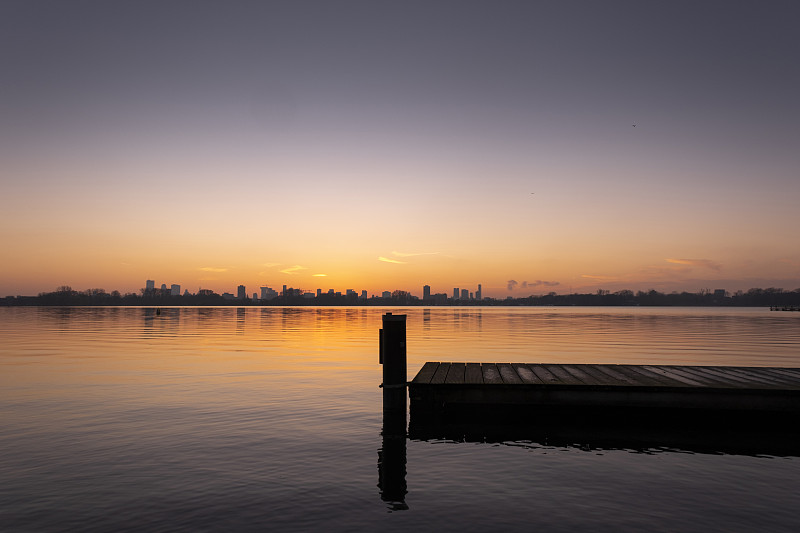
(303,350)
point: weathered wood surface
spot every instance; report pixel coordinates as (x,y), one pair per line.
(679,386)
(584,375)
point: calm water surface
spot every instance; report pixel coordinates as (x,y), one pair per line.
(251,419)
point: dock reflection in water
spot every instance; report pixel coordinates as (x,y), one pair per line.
(701,432)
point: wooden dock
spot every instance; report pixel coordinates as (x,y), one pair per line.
(606,388)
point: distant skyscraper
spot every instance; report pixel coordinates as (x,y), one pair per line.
(319,293)
(284,291)
(455,293)
(150,285)
(163,287)
(175,290)
(363,295)
(386,294)
(426,292)
(478,293)
(267,293)
(465,294)
(241,292)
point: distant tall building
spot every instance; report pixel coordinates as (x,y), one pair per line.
(478,292)
(241,292)
(426,292)
(386,294)
(268,294)
(363,295)
(255,296)
(319,293)
(150,285)
(175,290)
(465,294)
(455,293)
(284,291)
(351,292)
(163,288)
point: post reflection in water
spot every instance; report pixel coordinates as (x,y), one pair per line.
(392,461)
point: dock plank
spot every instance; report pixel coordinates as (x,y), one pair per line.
(441,374)
(668,379)
(753,380)
(648,379)
(526,374)
(787,372)
(563,375)
(508,374)
(585,374)
(708,379)
(426,373)
(762,374)
(455,376)
(491,375)
(616,375)
(473,374)
(544,375)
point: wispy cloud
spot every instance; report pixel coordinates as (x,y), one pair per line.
(599,278)
(539,283)
(511,284)
(270,265)
(703,263)
(387,260)
(319,275)
(212,269)
(412,254)
(293,269)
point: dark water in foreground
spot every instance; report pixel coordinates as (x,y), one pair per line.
(225,419)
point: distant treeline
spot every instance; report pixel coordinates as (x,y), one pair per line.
(66,296)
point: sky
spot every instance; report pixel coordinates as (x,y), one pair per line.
(528,146)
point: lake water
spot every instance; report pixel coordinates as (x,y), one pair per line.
(254,419)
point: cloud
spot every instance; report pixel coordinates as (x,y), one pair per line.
(293,269)
(704,263)
(270,265)
(212,269)
(539,283)
(387,260)
(318,275)
(512,283)
(412,254)
(599,278)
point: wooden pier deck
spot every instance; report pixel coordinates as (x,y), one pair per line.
(607,387)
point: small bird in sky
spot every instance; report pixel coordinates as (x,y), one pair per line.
(634,125)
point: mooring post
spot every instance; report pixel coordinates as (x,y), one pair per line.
(393,358)
(392,455)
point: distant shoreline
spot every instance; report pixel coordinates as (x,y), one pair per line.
(783,300)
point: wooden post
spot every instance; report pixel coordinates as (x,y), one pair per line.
(392,455)
(393,357)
